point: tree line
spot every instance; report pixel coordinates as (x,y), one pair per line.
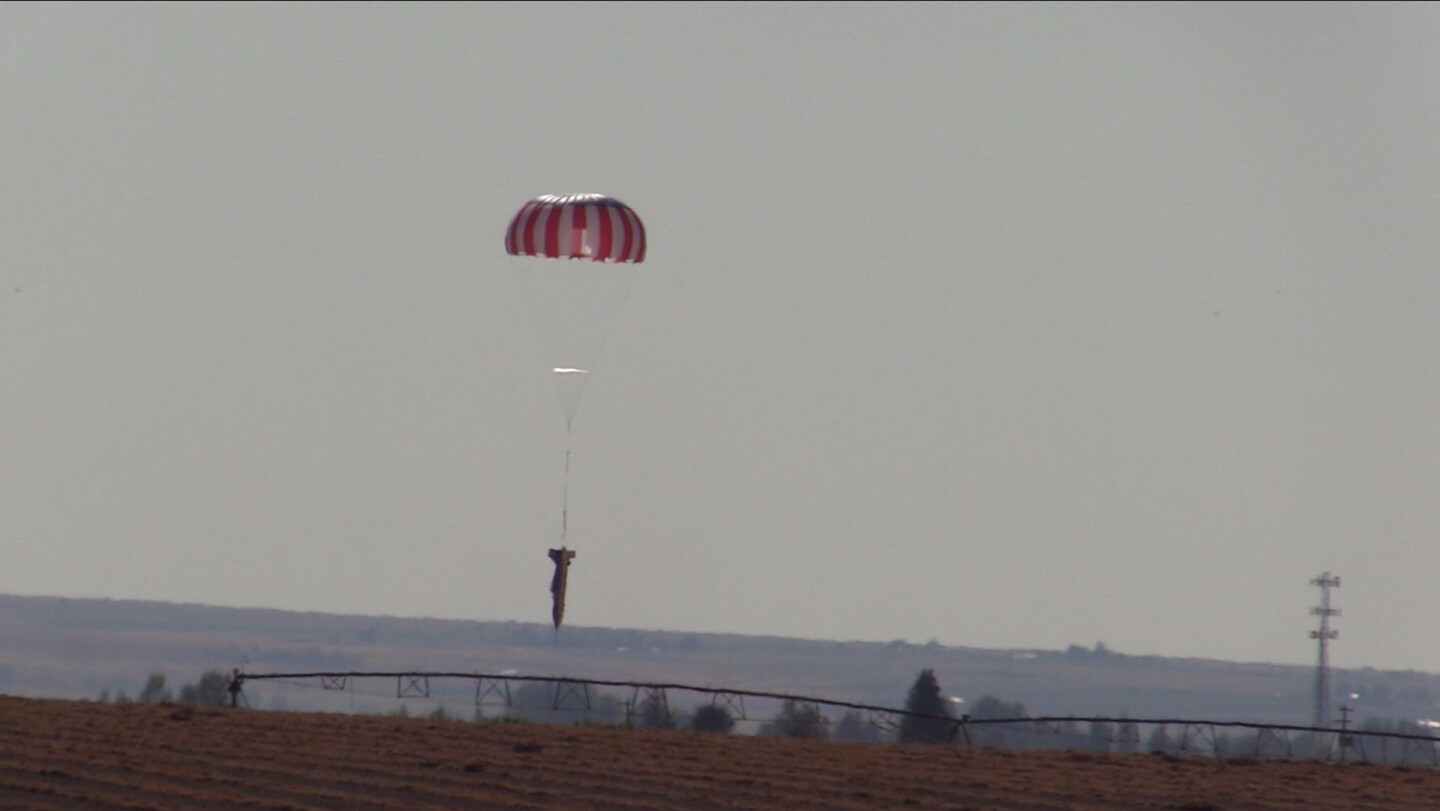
(211,689)
(929,718)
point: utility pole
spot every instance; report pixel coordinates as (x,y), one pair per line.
(1322,669)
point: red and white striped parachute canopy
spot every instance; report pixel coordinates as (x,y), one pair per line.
(577,226)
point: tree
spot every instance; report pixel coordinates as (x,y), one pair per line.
(1127,737)
(654,712)
(1160,741)
(155,691)
(213,690)
(929,721)
(565,703)
(798,719)
(1100,734)
(852,727)
(712,718)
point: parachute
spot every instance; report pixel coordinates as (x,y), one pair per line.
(573,303)
(577,226)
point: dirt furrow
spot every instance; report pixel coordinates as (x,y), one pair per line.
(86,756)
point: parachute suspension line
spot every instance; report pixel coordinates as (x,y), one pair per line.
(565,492)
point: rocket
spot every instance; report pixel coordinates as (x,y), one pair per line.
(562,558)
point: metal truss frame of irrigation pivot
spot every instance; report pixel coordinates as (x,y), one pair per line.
(1195,737)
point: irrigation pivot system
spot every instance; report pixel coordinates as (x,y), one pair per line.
(1198,737)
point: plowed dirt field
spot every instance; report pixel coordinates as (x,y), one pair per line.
(87,755)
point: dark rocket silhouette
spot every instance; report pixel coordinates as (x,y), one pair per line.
(562,558)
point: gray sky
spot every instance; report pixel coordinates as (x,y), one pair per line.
(1002,325)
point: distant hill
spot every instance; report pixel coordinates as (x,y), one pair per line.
(54,647)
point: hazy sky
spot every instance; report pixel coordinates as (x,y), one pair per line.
(1000,325)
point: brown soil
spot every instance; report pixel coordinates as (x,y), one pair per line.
(87,755)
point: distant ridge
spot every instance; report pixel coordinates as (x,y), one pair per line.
(63,647)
